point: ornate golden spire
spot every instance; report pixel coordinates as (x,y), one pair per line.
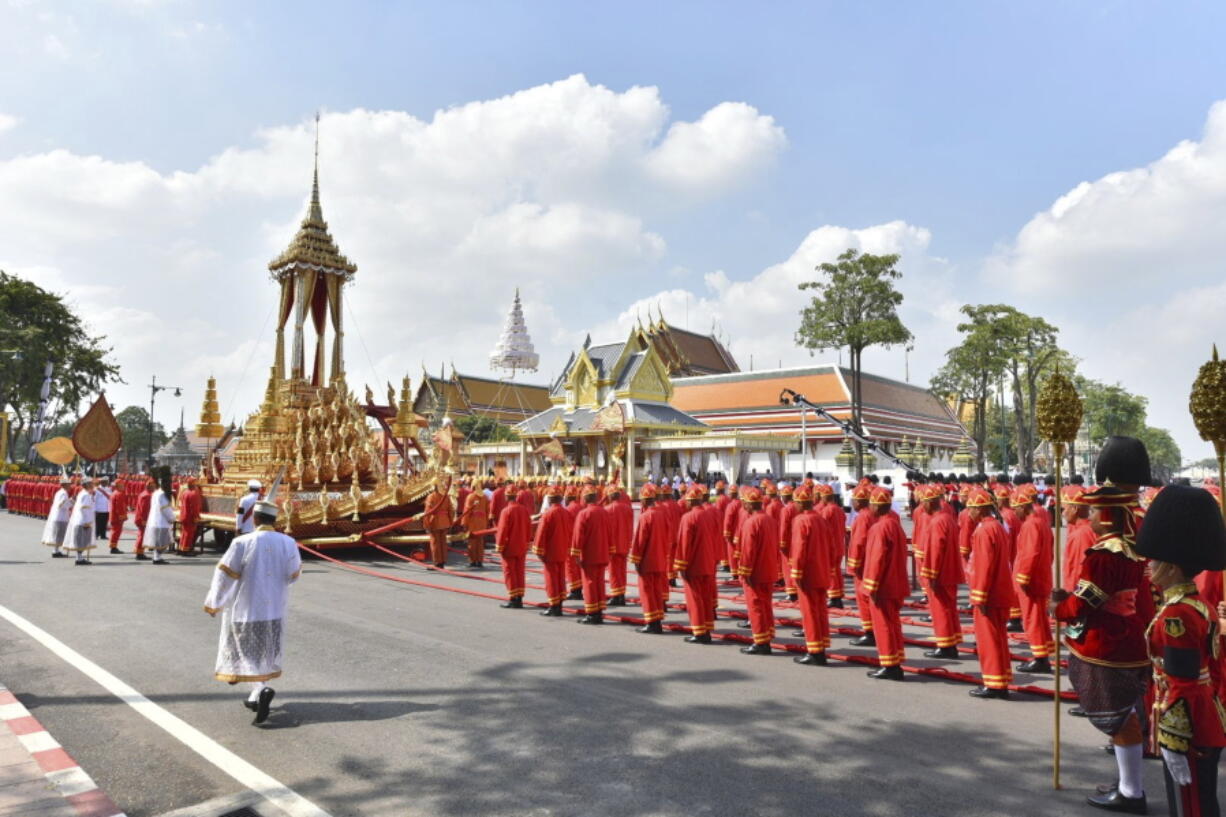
(210,427)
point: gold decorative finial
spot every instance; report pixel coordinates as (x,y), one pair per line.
(1059,409)
(317,213)
(1208,401)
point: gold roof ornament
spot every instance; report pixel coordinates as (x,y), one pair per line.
(904,451)
(846,457)
(210,427)
(963,458)
(405,425)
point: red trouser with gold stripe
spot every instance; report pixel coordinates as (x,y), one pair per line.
(574,573)
(992,644)
(865,605)
(555,581)
(760,600)
(1037,625)
(187,536)
(835,591)
(513,575)
(140,540)
(594,599)
(700,603)
(816,619)
(887,629)
(943,604)
(116,531)
(617,574)
(785,565)
(653,590)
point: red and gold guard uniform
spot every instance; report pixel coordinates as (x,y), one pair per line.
(475,519)
(119,513)
(832,508)
(941,566)
(992,594)
(759,565)
(621,514)
(857,547)
(1032,573)
(591,543)
(650,555)
(141,515)
(699,542)
(191,503)
(810,559)
(552,547)
(787,513)
(885,578)
(511,539)
(437,519)
(734,514)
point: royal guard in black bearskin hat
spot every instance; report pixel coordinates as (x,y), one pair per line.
(1183,536)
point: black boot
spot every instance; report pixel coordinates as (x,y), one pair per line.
(988,692)
(835,604)
(516,603)
(866,640)
(893,673)
(140,557)
(672,582)
(592,618)
(575,595)
(1036,666)
(813,659)
(263,704)
(618,600)
(757,649)
(116,550)
(705,638)
(1115,801)
(1015,626)
(949,653)
(653,627)
(793,597)
(552,610)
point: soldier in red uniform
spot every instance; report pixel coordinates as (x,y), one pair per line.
(699,542)
(828,504)
(1183,535)
(437,519)
(552,546)
(650,555)
(941,566)
(191,503)
(886,583)
(511,539)
(591,544)
(574,572)
(734,513)
(810,542)
(856,548)
(759,565)
(1080,535)
(1105,636)
(120,501)
(621,514)
(141,515)
(1033,574)
(992,594)
(787,512)
(476,518)
(720,504)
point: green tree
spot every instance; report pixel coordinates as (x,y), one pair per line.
(856,306)
(40,326)
(134,423)
(973,368)
(1164,455)
(485,430)
(1030,350)
(1110,409)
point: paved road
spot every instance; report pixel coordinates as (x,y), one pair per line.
(402,700)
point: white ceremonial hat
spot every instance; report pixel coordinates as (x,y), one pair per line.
(254,484)
(266,508)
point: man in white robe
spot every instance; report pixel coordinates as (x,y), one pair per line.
(159,529)
(57,520)
(251,589)
(79,536)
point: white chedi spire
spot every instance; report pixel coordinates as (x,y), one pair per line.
(514,350)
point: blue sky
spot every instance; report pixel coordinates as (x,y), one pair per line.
(962,120)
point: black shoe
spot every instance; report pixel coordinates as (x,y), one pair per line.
(83,562)
(188,553)
(705,638)
(552,610)
(1015,626)
(793,597)
(893,673)
(618,601)
(866,640)
(725,569)
(261,711)
(1114,801)
(513,604)
(757,649)
(922,600)
(440,565)
(472,565)
(55,554)
(160,562)
(479,565)
(140,557)
(798,633)
(653,627)
(592,618)
(948,653)
(813,659)
(987,692)
(250,704)
(744,625)
(1035,666)
(116,551)
(1078,712)
(672,583)
(575,595)
(835,604)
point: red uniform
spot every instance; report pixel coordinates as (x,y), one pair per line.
(1013,527)
(498,501)
(1080,539)
(1032,573)
(119,514)
(1111,604)
(810,557)
(699,542)
(591,543)
(786,515)
(476,518)
(734,514)
(651,558)
(141,516)
(622,516)
(526,498)
(838,523)
(574,571)
(511,539)
(992,595)
(437,520)
(856,549)
(941,566)
(759,567)
(885,582)
(191,502)
(552,546)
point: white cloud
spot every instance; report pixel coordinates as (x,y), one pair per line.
(1130,267)
(53,46)
(7,122)
(551,189)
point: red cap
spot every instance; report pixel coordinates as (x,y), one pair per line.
(751,494)
(881,496)
(648,491)
(696,494)
(802,495)
(978,498)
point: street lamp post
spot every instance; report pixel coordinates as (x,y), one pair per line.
(154,388)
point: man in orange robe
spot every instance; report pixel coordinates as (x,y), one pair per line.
(437,520)
(759,565)
(650,555)
(699,542)
(886,583)
(810,559)
(511,539)
(476,518)
(191,503)
(552,547)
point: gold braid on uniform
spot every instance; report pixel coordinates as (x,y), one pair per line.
(1175,728)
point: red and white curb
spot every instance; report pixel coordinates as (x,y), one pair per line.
(69,779)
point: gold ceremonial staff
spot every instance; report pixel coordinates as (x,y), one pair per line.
(1208,406)
(1059,417)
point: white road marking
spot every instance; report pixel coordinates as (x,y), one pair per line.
(38,742)
(275,792)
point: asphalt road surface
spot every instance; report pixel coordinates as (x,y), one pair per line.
(405,700)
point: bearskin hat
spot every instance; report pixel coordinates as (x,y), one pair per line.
(1123,461)
(1184,526)
(1077,479)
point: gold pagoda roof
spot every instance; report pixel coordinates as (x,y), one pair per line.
(313,246)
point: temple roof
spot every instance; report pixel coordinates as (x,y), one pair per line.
(503,400)
(312,246)
(689,354)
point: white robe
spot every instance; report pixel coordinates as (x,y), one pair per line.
(161,520)
(80,534)
(57,519)
(251,590)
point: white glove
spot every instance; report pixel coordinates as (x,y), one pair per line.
(1177,765)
